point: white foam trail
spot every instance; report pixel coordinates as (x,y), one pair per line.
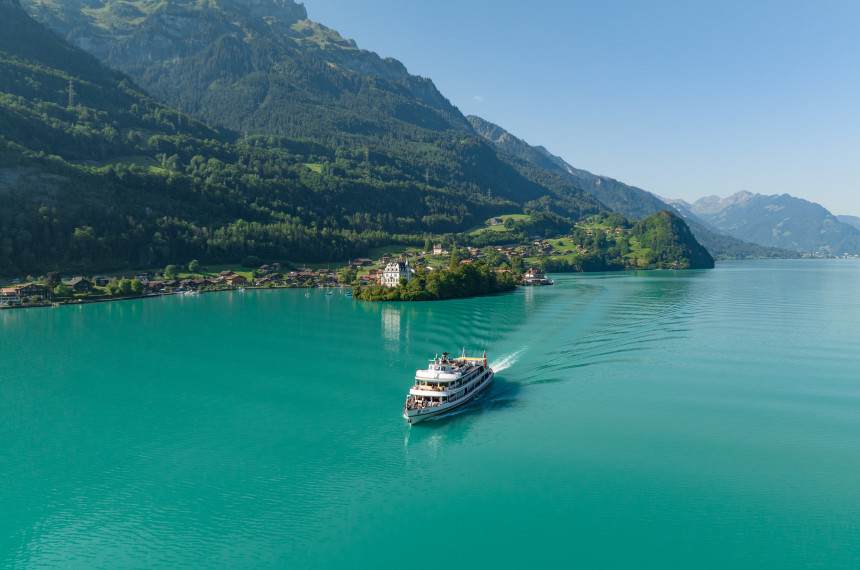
(506,361)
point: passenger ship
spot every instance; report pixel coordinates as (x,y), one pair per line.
(446,384)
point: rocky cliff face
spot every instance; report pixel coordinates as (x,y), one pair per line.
(286,11)
(156,43)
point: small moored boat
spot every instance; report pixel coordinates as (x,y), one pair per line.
(447,383)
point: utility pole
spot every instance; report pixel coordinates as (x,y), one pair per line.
(71,93)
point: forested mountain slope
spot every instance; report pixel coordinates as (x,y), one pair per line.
(261,67)
(110,177)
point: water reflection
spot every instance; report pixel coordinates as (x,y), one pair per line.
(390,319)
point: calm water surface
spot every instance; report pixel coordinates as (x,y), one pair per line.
(705,419)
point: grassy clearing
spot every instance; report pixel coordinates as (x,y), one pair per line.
(500,228)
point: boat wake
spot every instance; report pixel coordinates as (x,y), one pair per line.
(506,361)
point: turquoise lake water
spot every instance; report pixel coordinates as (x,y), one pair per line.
(703,419)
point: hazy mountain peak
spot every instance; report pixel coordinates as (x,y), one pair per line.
(779,220)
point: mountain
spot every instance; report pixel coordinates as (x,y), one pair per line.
(629,201)
(256,66)
(95,173)
(851,220)
(261,67)
(779,221)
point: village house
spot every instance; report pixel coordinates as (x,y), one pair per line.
(153,286)
(143,277)
(394,271)
(30,290)
(80,284)
(9,295)
(437,249)
(236,280)
(496,221)
(535,276)
(273,278)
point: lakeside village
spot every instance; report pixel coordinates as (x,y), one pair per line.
(387,271)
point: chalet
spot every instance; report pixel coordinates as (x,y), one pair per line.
(188,285)
(535,276)
(34,290)
(386,257)
(496,221)
(102,280)
(236,280)
(153,286)
(143,277)
(394,271)
(226,273)
(362,262)
(273,278)
(80,284)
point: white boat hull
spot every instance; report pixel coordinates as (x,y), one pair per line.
(415,416)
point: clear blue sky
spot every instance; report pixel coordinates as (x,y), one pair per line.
(684,99)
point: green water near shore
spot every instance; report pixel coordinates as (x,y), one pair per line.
(643,420)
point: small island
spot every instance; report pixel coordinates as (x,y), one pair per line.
(471,279)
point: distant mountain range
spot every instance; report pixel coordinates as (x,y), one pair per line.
(851,220)
(779,221)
